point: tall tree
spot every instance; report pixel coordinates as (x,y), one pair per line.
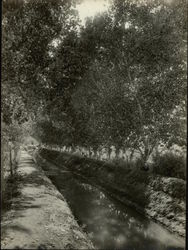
(143,48)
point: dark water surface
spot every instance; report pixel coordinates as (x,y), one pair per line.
(109,224)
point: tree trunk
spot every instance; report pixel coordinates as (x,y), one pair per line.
(123,152)
(72,149)
(95,153)
(16,150)
(90,153)
(11,165)
(117,152)
(100,154)
(131,155)
(109,153)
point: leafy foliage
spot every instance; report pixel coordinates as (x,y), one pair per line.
(170,164)
(117,81)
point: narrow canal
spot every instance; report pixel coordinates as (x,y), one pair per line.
(109,224)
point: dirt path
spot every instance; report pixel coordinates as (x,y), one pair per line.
(39,217)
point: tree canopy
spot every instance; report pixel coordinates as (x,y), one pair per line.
(118,80)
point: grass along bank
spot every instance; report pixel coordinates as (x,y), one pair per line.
(160,198)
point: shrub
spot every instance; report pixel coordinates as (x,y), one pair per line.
(119,162)
(4,164)
(170,165)
(137,164)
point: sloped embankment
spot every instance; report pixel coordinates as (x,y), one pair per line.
(160,198)
(39,217)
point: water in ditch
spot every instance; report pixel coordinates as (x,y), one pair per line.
(109,224)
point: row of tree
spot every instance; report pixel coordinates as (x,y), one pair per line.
(118,80)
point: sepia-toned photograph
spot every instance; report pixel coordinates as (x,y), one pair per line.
(93,124)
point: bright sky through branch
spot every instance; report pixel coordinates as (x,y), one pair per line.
(90,8)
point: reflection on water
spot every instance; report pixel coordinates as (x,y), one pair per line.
(109,224)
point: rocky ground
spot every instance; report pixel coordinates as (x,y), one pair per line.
(39,217)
